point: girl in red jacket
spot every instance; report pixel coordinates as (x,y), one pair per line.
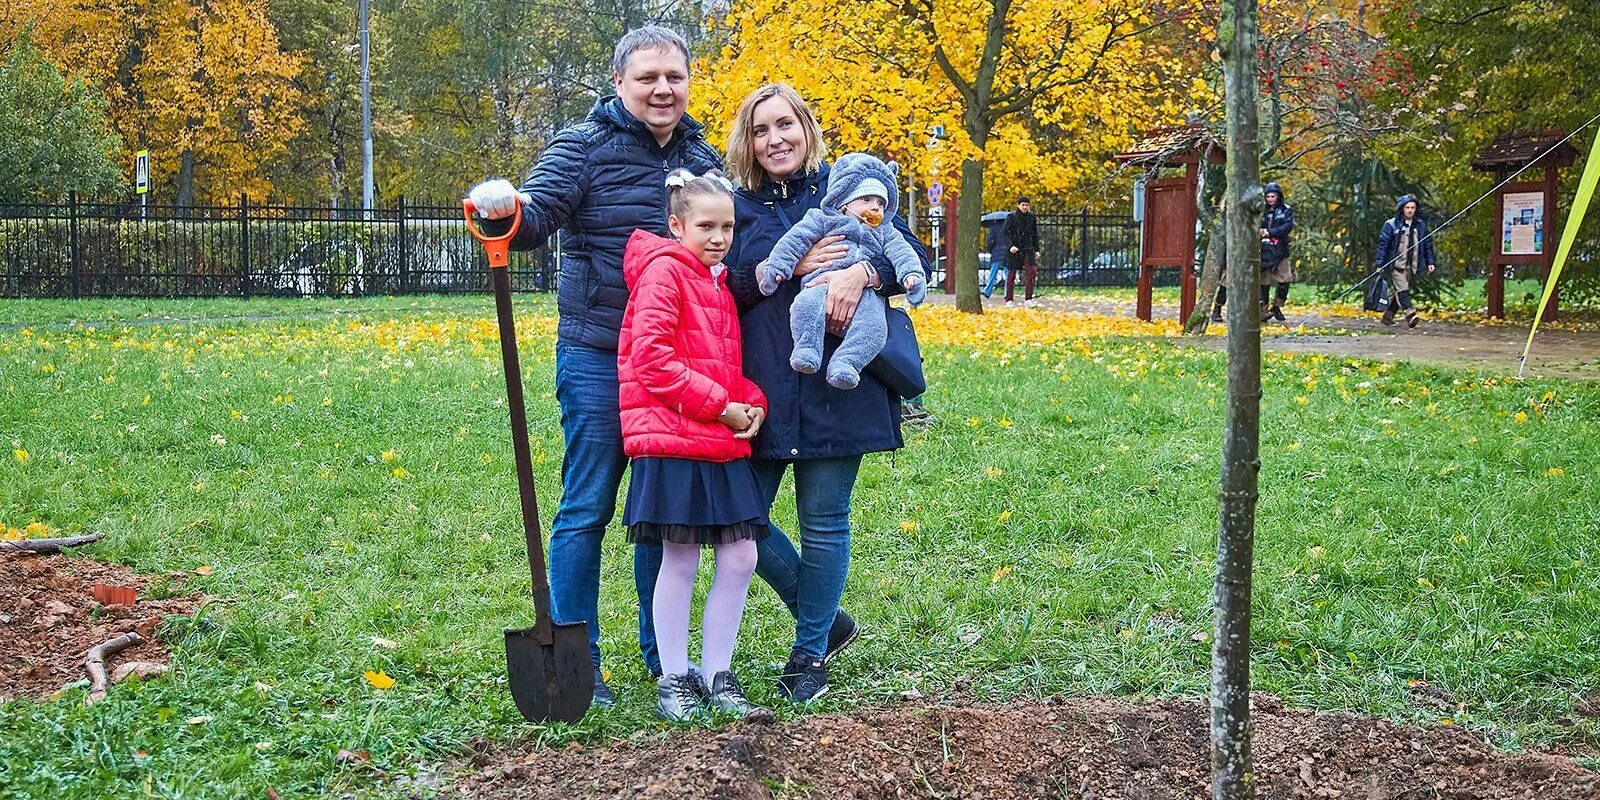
(688,414)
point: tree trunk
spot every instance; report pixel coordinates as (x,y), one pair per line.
(1211,271)
(185,182)
(1232,777)
(969,221)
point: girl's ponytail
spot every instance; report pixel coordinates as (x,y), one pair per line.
(684,186)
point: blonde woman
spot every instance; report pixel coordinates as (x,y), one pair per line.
(776,154)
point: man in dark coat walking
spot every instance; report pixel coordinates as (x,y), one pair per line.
(1022,232)
(600,180)
(1405,247)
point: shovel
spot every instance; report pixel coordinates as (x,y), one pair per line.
(548,664)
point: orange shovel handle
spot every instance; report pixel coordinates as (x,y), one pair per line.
(498,248)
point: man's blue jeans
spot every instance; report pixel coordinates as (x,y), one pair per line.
(810,581)
(591,472)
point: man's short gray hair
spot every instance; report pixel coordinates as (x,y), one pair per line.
(649,37)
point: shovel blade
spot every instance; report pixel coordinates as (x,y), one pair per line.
(550,682)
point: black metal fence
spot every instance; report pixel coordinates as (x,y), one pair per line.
(1077,249)
(80,249)
(122,250)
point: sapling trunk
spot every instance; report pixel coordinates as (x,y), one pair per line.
(1232,777)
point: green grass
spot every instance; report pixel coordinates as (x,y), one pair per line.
(1052,534)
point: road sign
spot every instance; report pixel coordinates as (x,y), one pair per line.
(141,172)
(935,193)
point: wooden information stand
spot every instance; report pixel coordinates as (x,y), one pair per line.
(1524,211)
(1170,208)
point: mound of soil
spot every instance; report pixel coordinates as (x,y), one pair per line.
(1061,748)
(49,619)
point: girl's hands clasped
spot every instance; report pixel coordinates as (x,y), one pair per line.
(744,419)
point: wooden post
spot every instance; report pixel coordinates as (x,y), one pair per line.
(1186,287)
(950,265)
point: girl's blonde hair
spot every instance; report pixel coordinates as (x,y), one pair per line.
(741,151)
(683,187)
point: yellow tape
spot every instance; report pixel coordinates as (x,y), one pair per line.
(1569,234)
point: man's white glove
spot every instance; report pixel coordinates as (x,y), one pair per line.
(496,199)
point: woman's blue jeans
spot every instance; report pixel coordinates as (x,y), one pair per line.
(810,581)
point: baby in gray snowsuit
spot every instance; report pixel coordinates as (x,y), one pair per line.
(860,199)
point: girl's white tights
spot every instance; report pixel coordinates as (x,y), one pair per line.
(736,563)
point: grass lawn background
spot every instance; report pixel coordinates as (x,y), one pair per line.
(347,475)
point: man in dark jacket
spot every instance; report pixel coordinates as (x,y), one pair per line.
(1405,247)
(599,180)
(1022,232)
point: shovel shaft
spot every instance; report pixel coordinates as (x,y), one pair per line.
(519,443)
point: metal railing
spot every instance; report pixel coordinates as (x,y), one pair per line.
(80,249)
(1077,249)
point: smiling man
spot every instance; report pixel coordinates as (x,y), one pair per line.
(600,180)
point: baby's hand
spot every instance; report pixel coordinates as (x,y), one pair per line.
(736,416)
(916,292)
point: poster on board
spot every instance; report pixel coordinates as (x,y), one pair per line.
(1522,224)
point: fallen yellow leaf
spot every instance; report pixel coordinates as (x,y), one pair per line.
(202,570)
(379,679)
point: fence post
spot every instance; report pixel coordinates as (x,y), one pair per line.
(244,244)
(405,252)
(72,243)
(1083,240)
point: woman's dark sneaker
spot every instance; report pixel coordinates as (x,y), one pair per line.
(842,634)
(680,698)
(1412,319)
(603,698)
(725,695)
(804,678)
(1277,313)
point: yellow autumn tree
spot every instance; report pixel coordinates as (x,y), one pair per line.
(202,84)
(1033,95)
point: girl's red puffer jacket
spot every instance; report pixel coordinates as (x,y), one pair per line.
(679,358)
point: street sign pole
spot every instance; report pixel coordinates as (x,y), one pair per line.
(141,179)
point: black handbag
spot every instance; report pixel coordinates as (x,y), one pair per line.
(1378,294)
(899,365)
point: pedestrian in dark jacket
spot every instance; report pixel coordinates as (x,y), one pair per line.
(1022,232)
(1405,249)
(1277,220)
(1276,267)
(775,150)
(600,180)
(998,249)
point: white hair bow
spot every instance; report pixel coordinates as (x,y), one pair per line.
(680,178)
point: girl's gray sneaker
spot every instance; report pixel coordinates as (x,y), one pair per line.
(680,698)
(725,695)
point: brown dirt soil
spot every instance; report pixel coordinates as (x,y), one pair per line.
(1085,748)
(49,620)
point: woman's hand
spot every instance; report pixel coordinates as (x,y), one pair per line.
(756,415)
(736,416)
(844,293)
(827,250)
